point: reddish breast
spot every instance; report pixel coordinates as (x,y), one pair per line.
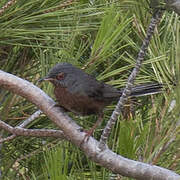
(82,105)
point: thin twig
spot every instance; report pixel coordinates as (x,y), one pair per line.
(31,132)
(127,91)
(22,125)
(8,4)
(19,130)
(7,139)
(30,119)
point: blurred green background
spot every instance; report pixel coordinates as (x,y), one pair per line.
(102,37)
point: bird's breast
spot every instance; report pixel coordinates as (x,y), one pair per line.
(82,105)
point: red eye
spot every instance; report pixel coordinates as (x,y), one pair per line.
(60,76)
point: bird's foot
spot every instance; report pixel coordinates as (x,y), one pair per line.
(88,134)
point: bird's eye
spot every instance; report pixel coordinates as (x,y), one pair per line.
(60,76)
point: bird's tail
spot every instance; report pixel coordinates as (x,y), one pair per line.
(146,89)
(112,94)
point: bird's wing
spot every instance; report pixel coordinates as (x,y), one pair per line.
(99,90)
(109,92)
(83,84)
(86,85)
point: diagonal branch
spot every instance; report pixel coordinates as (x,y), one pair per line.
(72,131)
(30,119)
(127,91)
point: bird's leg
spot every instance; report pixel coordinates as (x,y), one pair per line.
(91,131)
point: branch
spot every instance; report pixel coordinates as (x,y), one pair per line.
(30,119)
(31,132)
(7,5)
(127,91)
(22,125)
(72,131)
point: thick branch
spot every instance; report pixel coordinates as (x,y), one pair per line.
(71,130)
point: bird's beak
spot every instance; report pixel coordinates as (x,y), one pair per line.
(46,78)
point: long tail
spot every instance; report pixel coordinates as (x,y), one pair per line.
(146,89)
(111,93)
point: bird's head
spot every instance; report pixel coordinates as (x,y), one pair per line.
(58,72)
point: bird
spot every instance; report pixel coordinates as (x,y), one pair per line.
(81,93)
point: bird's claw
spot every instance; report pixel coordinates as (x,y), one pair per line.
(87,135)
